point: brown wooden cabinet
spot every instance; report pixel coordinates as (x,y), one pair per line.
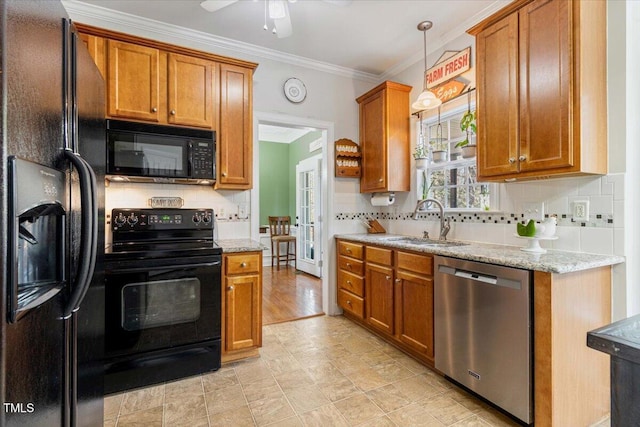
(390,292)
(414,301)
(541,99)
(384,138)
(157,82)
(149,84)
(235,140)
(242,305)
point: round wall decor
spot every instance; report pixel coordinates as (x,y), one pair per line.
(295,90)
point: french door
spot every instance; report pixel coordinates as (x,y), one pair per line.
(308,210)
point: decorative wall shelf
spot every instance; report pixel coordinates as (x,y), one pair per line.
(347,158)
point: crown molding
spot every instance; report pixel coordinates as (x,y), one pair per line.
(444,39)
(127,23)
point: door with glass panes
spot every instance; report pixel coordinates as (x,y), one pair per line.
(308,212)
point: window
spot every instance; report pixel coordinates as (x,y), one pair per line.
(450,178)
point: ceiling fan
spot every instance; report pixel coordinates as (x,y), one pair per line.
(278,12)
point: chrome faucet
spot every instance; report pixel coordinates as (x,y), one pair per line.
(445,225)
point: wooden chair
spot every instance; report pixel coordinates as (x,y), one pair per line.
(280,227)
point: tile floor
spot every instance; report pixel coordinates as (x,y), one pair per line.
(322,371)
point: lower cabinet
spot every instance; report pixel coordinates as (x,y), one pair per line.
(242,305)
(396,298)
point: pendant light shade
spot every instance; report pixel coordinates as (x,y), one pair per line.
(427,99)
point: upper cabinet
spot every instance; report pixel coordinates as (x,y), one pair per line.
(160,83)
(149,84)
(384,138)
(541,98)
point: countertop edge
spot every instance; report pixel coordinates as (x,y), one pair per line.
(553,261)
(230,246)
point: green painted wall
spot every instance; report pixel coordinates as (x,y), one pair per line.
(278,175)
(274,180)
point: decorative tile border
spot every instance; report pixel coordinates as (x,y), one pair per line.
(565,220)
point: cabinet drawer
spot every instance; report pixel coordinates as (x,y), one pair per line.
(351,303)
(351,282)
(350,249)
(242,263)
(351,265)
(414,262)
(379,255)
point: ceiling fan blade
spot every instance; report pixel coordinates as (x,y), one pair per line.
(213,5)
(283,26)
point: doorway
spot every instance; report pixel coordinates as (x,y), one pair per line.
(308,188)
(321,202)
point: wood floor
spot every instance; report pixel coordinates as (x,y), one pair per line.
(288,294)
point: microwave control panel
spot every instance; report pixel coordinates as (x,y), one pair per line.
(202,160)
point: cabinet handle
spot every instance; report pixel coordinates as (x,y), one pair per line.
(154,109)
(512,160)
(223,174)
(172,112)
(522,158)
(243,264)
(230,288)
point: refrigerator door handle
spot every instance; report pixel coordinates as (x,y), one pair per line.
(88,230)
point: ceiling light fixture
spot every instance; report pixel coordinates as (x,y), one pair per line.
(427,99)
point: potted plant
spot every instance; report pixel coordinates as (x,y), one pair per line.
(421,156)
(468,125)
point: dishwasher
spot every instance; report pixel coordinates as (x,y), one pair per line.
(483,331)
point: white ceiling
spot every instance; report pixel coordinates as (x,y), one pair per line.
(285,135)
(372,37)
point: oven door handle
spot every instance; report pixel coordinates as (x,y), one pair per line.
(165,267)
(88,231)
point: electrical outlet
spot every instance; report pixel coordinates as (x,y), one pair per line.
(581,210)
(242,211)
(221,214)
(533,210)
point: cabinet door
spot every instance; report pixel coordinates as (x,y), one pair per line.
(546,71)
(497,98)
(190,85)
(97,50)
(373,143)
(234,137)
(414,308)
(379,297)
(133,85)
(242,312)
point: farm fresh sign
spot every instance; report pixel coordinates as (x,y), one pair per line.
(449,68)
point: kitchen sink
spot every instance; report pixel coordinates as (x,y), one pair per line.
(426,242)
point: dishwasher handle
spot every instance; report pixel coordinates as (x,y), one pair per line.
(479,277)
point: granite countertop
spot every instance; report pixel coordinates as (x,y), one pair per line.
(240,245)
(620,339)
(553,261)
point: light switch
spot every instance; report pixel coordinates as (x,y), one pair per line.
(533,210)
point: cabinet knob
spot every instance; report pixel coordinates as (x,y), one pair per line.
(512,160)
(349,250)
(243,264)
(172,112)
(388,277)
(380,180)
(230,288)
(349,302)
(522,158)
(223,174)
(398,280)
(349,265)
(154,109)
(349,282)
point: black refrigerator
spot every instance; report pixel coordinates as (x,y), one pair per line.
(52,164)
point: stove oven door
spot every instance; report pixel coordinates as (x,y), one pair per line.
(158,304)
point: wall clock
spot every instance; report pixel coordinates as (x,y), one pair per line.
(295,90)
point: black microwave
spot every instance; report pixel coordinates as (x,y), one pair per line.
(143,152)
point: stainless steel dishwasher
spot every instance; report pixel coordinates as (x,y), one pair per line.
(483,331)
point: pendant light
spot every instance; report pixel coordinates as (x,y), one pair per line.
(427,99)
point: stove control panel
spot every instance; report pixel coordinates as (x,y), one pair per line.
(160,219)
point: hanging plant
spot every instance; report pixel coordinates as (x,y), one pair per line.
(468,123)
